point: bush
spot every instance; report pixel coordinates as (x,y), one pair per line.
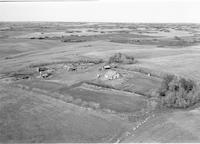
(179,92)
(121,58)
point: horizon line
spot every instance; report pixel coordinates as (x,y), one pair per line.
(99,22)
(45,0)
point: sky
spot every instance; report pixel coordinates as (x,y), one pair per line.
(150,11)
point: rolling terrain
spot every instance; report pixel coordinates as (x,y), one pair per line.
(57,85)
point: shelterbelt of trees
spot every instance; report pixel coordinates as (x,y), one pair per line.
(178,92)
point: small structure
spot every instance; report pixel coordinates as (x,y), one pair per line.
(111,75)
(25,77)
(70,67)
(21,76)
(45,72)
(148,74)
(42,69)
(107,67)
(45,75)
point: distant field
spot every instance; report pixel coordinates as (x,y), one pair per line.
(186,64)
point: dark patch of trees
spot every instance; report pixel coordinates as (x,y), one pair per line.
(179,92)
(121,58)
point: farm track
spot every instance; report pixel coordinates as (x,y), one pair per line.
(134,129)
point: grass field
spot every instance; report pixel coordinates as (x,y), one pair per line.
(31,117)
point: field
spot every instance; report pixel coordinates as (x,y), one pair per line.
(57,85)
